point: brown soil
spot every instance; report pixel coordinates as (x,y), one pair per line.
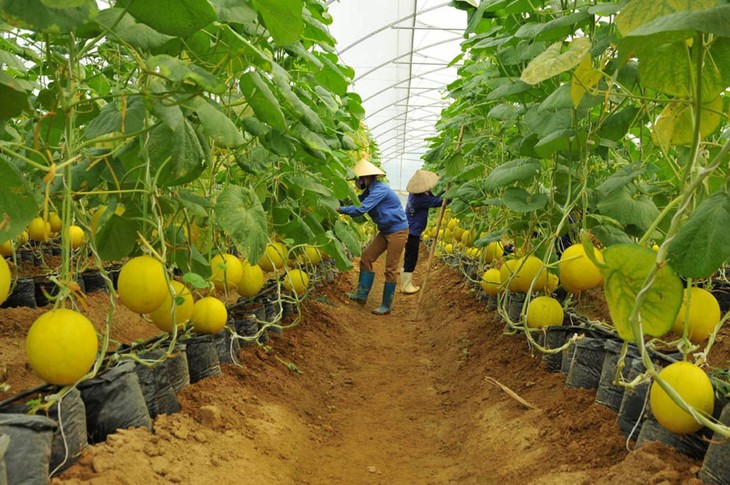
(370,400)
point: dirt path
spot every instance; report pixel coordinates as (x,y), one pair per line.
(384,400)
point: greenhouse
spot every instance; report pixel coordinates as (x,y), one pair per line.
(339,242)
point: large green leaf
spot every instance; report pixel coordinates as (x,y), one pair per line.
(640,12)
(179,18)
(510,172)
(178,71)
(675,125)
(260,97)
(702,244)
(217,125)
(335,248)
(629,209)
(290,225)
(14,95)
(702,18)
(177,156)
(125,28)
(34,15)
(17,203)
(283,19)
(520,200)
(237,11)
(626,268)
(553,62)
(117,238)
(240,214)
(111,120)
(347,236)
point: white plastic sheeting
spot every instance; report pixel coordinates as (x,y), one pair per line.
(400,50)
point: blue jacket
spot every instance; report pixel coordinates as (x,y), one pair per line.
(417,211)
(382,205)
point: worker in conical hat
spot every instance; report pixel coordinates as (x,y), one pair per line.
(384,207)
(420,200)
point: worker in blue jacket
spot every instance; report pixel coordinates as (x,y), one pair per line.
(384,207)
(420,200)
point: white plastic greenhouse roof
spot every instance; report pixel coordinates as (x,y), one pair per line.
(400,50)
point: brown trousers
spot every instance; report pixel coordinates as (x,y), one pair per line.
(394,244)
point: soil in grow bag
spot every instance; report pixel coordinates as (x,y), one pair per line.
(609,394)
(227,346)
(202,357)
(28,457)
(114,400)
(716,465)
(155,383)
(23,294)
(586,363)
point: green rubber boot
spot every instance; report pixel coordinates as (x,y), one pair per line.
(364,283)
(388,292)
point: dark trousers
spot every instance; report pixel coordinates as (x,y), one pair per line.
(411,257)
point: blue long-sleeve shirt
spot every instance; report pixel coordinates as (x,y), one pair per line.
(417,211)
(382,205)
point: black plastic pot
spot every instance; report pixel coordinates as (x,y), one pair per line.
(23,294)
(93,281)
(609,394)
(159,396)
(4,443)
(202,357)
(227,346)
(28,456)
(555,338)
(70,415)
(514,306)
(716,465)
(45,287)
(692,444)
(586,363)
(634,402)
(246,327)
(492,302)
(114,400)
(721,292)
(177,369)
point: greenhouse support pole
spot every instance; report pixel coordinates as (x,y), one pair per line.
(435,239)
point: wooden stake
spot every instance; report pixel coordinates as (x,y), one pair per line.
(442,210)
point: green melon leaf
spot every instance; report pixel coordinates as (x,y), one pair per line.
(179,18)
(553,62)
(626,268)
(283,19)
(510,172)
(259,96)
(520,200)
(17,202)
(640,12)
(701,246)
(240,214)
(117,238)
(36,15)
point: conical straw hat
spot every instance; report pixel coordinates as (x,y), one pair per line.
(422,181)
(364,168)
